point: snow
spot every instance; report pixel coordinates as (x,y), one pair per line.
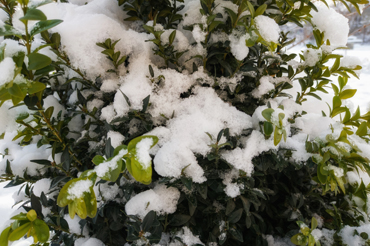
(349,237)
(350,62)
(267,28)
(40,186)
(104,168)
(74,225)
(264,87)
(7,67)
(160,199)
(312,56)
(142,152)
(78,188)
(241,158)
(52,101)
(88,242)
(116,138)
(106,192)
(187,237)
(109,85)
(238,47)
(334,25)
(187,137)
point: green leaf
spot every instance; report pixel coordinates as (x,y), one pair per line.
(362,129)
(313,95)
(179,219)
(7,30)
(31,215)
(340,183)
(337,111)
(235,216)
(347,116)
(335,66)
(336,102)
(260,10)
(33,14)
(347,93)
(145,103)
(236,234)
(357,115)
(313,223)
(21,216)
(230,206)
(90,203)
(41,3)
(233,16)
(251,9)
(118,149)
(213,25)
(138,172)
(41,230)
(267,114)
(98,159)
(4,236)
(132,144)
(37,61)
(17,91)
(43,26)
(36,87)
(268,128)
(277,136)
(148,220)
(20,232)
(172,37)
(2,52)
(19,58)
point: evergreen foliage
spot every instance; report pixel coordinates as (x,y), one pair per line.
(280,197)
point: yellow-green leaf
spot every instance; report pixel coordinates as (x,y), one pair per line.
(4,236)
(31,215)
(362,129)
(41,230)
(20,232)
(347,93)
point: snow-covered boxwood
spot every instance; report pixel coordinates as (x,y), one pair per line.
(139,122)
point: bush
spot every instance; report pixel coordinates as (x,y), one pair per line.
(244,152)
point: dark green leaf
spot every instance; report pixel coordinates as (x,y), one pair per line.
(43,26)
(179,219)
(33,14)
(235,216)
(149,220)
(145,104)
(37,61)
(230,206)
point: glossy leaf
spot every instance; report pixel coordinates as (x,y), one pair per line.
(37,61)
(20,232)
(7,30)
(267,113)
(41,230)
(31,215)
(33,14)
(4,236)
(43,26)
